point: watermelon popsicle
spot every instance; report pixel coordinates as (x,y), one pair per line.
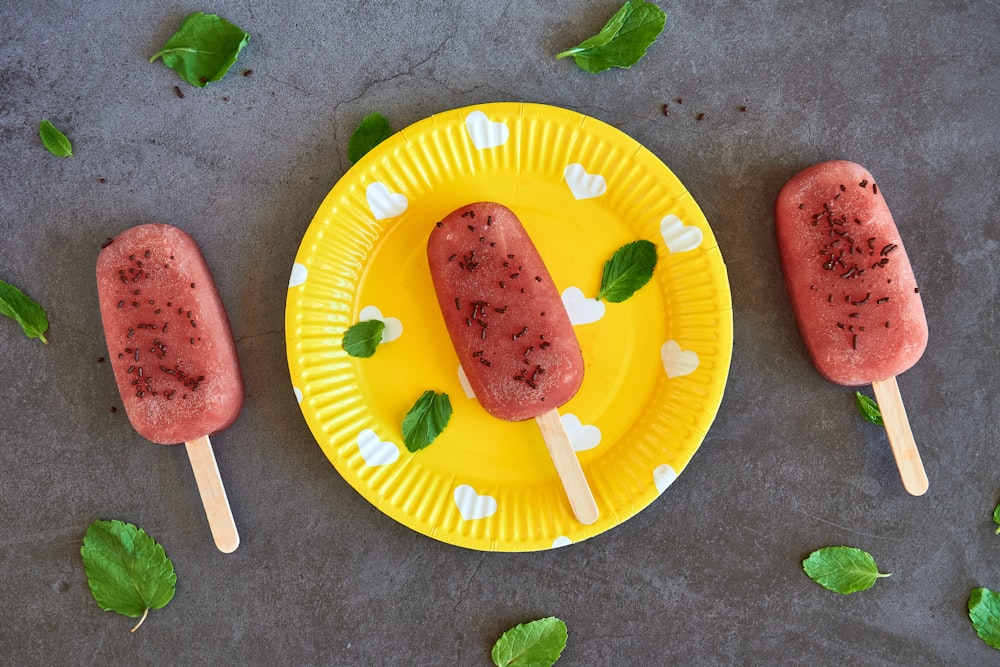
(510,329)
(853,291)
(172,352)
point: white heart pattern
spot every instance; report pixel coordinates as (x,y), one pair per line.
(663,477)
(393,327)
(472,505)
(463,380)
(581,436)
(374,450)
(582,184)
(580,309)
(383,202)
(678,362)
(561,541)
(678,236)
(484,132)
(299,275)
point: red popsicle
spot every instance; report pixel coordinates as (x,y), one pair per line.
(508,325)
(172,352)
(853,291)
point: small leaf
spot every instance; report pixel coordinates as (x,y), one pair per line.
(535,644)
(868,408)
(361,339)
(55,141)
(203,48)
(18,306)
(842,569)
(996,517)
(984,612)
(622,41)
(629,269)
(373,130)
(127,570)
(426,420)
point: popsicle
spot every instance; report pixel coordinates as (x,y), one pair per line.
(510,329)
(853,291)
(172,352)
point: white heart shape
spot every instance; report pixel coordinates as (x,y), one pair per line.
(374,450)
(472,505)
(484,132)
(580,309)
(383,202)
(298,394)
(677,362)
(299,275)
(581,436)
(463,380)
(678,236)
(663,477)
(393,327)
(582,184)
(561,541)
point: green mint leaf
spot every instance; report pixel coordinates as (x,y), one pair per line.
(868,408)
(535,644)
(361,339)
(629,268)
(55,141)
(373,130)
(984,612)
(425,420)
(622,41)
(996,517)
(127,570)
(842,569)
(18,306)
(203,48)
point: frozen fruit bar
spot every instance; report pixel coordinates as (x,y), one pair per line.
(853,291)
(504,315)
(168,337)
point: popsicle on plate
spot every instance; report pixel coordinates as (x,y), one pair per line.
(508,325)
(172,351)
(853,291)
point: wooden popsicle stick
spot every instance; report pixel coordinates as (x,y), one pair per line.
(568,467)
(213,494)
(897,426)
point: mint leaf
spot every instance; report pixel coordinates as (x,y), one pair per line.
(361,339)
(842,569)
(629,268)
(868,408)
(127,571)
(984,612)
(535,644)
(996,517)
(373,130)
(622,41)
(203,48)
(18,306)
(55,141)
(425,420)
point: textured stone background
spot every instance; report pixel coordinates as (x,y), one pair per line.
(710,573)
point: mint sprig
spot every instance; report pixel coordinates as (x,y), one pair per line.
(629,269)
(203,48)
(361,339)
(54,140)
(536,644)
(18,306)
(371,131)
(996,517)
(426,420)
(984,612)
(622,41)
(127,570)
(868,408)
(842,569)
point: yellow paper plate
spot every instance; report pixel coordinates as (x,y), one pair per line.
(656,364)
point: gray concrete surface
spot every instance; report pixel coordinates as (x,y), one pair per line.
(710,573)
